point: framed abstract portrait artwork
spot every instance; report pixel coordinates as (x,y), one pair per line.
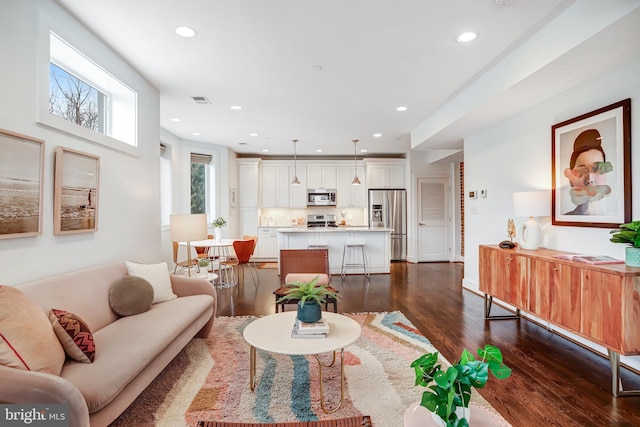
(75,203)
(21,179)
(591,168)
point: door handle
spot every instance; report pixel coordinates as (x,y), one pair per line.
(421,223)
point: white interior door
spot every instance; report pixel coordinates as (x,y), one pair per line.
(434,220)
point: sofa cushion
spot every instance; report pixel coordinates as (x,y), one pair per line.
(130,295)
(131,343)
(157,275)
(74,335)
(27,340)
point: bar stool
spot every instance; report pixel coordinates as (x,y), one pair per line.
(352,245)
(317,244)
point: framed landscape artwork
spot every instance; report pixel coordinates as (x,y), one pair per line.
(591,168)
(75,204)
(21,178)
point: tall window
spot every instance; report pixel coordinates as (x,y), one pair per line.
(200,183)
(83,93)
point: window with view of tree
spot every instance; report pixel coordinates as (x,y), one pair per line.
(200,182)
(74,100)
(86,96)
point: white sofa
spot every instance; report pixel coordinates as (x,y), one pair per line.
(129,351)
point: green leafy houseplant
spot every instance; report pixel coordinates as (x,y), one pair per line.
(451,388)
(204,262)
(219,222)
(308,291)
(628,234)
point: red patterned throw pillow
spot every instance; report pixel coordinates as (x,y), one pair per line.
(74,335)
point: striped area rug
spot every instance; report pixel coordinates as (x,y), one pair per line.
(209,380)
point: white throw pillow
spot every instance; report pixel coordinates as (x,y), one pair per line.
(158,276)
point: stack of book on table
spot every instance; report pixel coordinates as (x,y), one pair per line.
(318,329)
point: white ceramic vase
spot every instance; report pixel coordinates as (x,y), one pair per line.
(217,232)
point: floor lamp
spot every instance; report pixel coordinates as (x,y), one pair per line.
(187,228)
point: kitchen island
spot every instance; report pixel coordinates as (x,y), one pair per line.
(377,241)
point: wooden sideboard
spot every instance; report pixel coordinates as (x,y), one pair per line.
(598,302)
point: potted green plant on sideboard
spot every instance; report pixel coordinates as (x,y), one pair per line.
(629,234)
(310,296)
(449,390)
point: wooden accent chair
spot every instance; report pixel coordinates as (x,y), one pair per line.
(181,264)
(359,421)
(298,263)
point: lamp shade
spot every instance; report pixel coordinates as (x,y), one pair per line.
(532,203)
(188,227)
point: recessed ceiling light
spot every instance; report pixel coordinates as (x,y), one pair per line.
(466,37)
(265,150)
(185,32)
(176,120)
(377,135)
(236,107)
(319,150)
(363,150)
(253,134)
(195,133)
(401,108)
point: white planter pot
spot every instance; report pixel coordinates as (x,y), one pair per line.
(419,416)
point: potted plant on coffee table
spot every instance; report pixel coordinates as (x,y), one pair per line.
(310,298)
(629,234)
(449,390)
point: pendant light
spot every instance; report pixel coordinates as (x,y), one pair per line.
(356,180)
(295,180)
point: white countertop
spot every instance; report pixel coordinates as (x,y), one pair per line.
(338,229)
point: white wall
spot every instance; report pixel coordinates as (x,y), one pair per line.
(129,212)
(515,155)
(420,167)
(224,161)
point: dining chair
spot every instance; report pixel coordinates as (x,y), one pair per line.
(255,244)
(203,251)
(181,264)
(244,250)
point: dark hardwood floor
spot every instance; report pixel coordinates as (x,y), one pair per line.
(554,382)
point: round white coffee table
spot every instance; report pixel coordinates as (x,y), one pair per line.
(273,334)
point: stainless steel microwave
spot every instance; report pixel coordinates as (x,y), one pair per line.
(321,197)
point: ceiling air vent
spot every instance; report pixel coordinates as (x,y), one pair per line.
(201,100)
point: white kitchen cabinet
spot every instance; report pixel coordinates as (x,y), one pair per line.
(349,195)
(321,177)
(385,175)
(275,186)
(298,193)
(248,183)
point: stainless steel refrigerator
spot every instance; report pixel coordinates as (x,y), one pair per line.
(388,209)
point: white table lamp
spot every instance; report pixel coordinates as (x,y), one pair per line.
(531,204)
(187,228)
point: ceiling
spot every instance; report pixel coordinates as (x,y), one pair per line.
(323,72)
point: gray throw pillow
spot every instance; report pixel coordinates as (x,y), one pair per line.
(130,295)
